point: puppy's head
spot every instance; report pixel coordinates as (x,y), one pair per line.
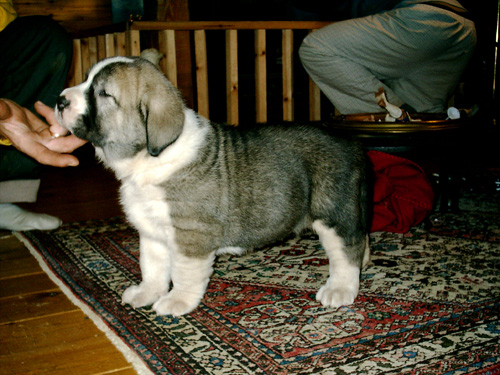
(126,105)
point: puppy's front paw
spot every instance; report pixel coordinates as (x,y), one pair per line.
(336,296)
(174,305)
(140,295)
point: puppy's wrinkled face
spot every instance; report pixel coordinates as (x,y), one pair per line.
(78,107)
(126,105)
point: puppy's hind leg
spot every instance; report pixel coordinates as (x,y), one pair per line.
(366,255)
(342,285)
(190,276)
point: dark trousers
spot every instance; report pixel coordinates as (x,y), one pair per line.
(36,57)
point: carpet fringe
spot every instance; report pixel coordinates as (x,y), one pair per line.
(132,357)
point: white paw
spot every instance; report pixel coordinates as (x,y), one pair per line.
(336,296)
(140,295)
(174,304)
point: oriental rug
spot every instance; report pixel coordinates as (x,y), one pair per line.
(429,301)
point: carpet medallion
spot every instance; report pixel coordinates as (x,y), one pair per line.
(428,304)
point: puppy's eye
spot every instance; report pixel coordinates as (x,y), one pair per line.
(104,94)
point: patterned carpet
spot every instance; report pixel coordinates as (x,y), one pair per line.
(429,302)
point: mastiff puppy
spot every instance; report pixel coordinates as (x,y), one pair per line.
(195,189)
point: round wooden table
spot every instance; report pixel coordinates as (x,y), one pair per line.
(428,137)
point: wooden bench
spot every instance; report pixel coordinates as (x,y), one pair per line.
(88,51)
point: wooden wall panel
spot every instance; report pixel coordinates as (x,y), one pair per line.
(74,15)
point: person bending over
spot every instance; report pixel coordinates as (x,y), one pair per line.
(415,50)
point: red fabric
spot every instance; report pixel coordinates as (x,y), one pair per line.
(402,194)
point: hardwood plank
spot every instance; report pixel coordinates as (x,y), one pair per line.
(126,371)
(15,259)
(33,306)
(62,344)
(24,285)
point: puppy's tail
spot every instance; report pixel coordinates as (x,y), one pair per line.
(152,55)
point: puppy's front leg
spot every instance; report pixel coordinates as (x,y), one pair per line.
(155,269)
(190,278)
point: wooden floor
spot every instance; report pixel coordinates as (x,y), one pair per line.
(41,331)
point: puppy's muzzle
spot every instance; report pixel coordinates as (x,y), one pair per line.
(62,103)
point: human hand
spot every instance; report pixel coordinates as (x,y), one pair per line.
(40,140)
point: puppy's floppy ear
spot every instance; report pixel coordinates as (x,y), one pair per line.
(162,110)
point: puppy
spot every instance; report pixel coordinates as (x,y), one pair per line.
(195,189)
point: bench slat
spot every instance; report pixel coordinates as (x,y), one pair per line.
(76,71)
(232,77)
(260,76)
(167,46)
(200,44)
(133,44)
(287,65)
(120,44)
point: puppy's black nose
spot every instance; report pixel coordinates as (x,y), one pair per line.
(62,103)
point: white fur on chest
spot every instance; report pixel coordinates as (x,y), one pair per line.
(142,194)
(147,210)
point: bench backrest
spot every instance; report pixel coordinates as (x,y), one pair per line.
(88,51)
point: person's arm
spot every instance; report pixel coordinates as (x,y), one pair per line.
(42,141)
(7,13)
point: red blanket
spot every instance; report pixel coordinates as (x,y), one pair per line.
(402,194)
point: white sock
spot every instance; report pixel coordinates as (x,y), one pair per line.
(13,217)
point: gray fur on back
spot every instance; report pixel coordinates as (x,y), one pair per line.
(250,187)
